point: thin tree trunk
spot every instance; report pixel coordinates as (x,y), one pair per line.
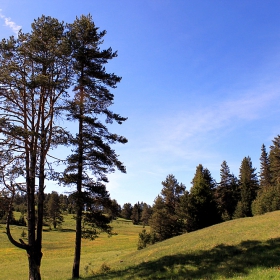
(78,241)
(77,257)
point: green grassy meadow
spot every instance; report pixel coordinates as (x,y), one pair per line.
(247,248)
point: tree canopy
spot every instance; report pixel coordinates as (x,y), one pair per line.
(37,70)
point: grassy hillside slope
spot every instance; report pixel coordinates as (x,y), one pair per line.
(245,248)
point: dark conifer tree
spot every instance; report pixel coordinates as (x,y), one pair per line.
(165,220)
(209,179)
(114,210)
(274,158)
(268,198)
(158,222)
(265,172)
(146,214)
(126,211)
(227,193)
(201,207)
(136,213)
(4,207)
(53,214)
(64,202)
(249,187)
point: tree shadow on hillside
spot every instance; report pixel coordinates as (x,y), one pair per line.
(67,230)
(223,260)
(59,230)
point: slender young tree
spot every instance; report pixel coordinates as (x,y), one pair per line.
(92,152)
(34,76)
(146,214)
(136,213)
(249,186)
(265,172)
(53,210)
(227,193)
(160,225)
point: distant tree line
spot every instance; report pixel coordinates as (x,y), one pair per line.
(177,210)
(55,206)
(139,213)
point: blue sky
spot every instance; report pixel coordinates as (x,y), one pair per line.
(201,82)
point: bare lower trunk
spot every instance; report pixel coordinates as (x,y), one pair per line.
(34,260)
(77,257)
(78,241)
(33,249)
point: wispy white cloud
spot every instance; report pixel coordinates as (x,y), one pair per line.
(9,23)
(182,134)
(177,144)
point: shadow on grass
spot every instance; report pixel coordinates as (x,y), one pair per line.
(222,261)
(66,230)
(59,230)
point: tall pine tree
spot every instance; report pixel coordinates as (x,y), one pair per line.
(92,150)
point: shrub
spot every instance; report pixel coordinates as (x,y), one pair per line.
(145,239)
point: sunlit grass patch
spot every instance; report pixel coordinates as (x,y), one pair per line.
(247,248)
